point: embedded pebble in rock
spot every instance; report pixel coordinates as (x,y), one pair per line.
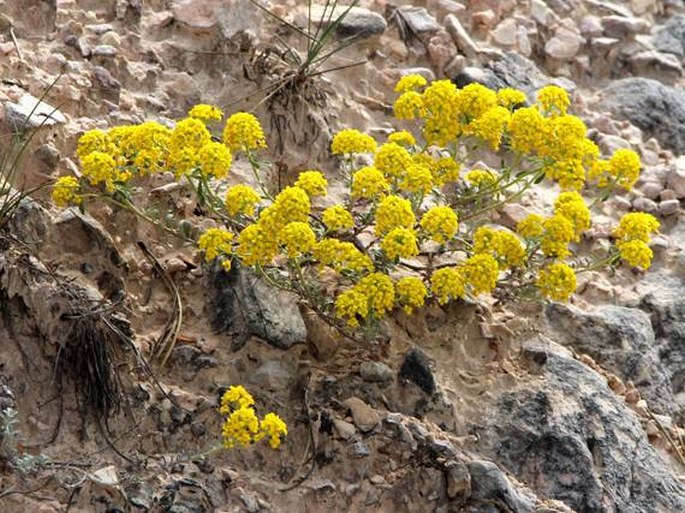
(418,19)
(505,34)
(669,207)
(344,429)
(676,177)
(359,22)
(460,36)
(642,204)
(364,417)
(31,112)
(375,372)
(621,26)
(564,45)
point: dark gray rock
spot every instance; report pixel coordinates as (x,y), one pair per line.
(358,21)
(622,341)
(418,19)
(490,484)
(242,304)
(657,109)
(417,369)
(29,221)
(375,372)
(670,37)
(570,438)
(31,112)
(108,87)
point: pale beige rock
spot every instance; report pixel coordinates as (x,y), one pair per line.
(364,417)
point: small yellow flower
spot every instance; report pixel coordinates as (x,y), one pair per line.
(408,105)
(558,232)
(557,281)
(256,245)
(440,224)
(98,167)
(206,113)
(393,212)
(636,226)
(399,243)
(475,100)
(417,180)
(291,204)
(215,160)
(392,159)
(352,305)
(314,183)
(410,293)
(445,170)
(243,132)
(379,291)
(480,273)
(241,199)
(490,126)
(636,252)
(481,178)
(337,218)
(368,183)
(273,428)
(570,174)
(553,100)
(65,191)
(530,227)
(217,242)
(624,168)
(93,140)
(240,428)
(350,141)
(341,256)
(446,284)
(526,130)
(234,398)
(298,238)
(510,98)
(189,134)
(409,83)
(403,138)
(571,205)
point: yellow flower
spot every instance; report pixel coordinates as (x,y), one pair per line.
(379,291)
(65,191)
(490,126)
(273,427)
(392,159)
(341,256)
(98,167)
(409,105)
(215,159)
(189,134)
(205,113)
(183,161)
(481,178)
(445,170)
(337,218)
(510,250)
(624,168)
(446,284)
(569,173)
(402,138)
(234,398)
(243,132)
(314,183)
(571,205)
(256,245)
(93,140)
(410,293)
(553,100)
(409,83)
(530,227)
(557,281)
(217,242)
(475,100)
(148,161)
(558,232)
(636,252)
(480,273)
(239,428)
(510,98)
(418,179)
(563,138)
(526,130)
(352,141)
(440,224)
(393,212)
(298,238)
(241,199)
(125,139)
(636,226)
(399,243)
(441,113)
(352,304)
(291,204)
(368,183)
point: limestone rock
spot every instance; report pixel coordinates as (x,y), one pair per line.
(31,112)
(364,417)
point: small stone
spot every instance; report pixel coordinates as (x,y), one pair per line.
(364,417)
(460,36)
(49,155)
(344,429)
(31,112)
(622,26)
(416,368)
(610,143)
(591,26)
(250,502)
(458,480)
(273,375)
(668,194)
(541,13)
(643,204)
(105,51)
(485,19)
(419,20)
(361,450)
(377,479)
(564,45)
(358,21)
(106,477)
(375,372)
(505,34)
(669,207)
(676,177)
(111,39)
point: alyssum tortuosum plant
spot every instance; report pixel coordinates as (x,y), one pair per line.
(417,224)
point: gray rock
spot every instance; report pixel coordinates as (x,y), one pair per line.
(375,372)
(418,19)
(30,222)
(460,36)
(622,26)
(657,109)
(514,70)
(364,417)
(643,204)
(273,375)
(490,484)
(105,51)
(361,450)
(358,22)
(669,207)
(570,438)
(108,87)
(31,112)
(622,341)
(659,65)
(417,369)
(670,37)
(242,304)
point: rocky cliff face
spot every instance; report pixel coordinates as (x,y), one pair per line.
(473,408)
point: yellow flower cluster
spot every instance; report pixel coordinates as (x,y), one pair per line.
(445,170)
(571,205)
(241,199)
(65,191)
(217,242)
(399,243)
(298,238)
(440,224)
(409,105)
(447,283)
(242,427)
(337,218)
(526,132)
(341,256)
(244,133)
(633,235)
(503,245)
(368,183)
(510,98)
(490,126)
(556,281)
(373,296)
(624,168)
(403,138)
(409,83)
(206,113)
(392,212)
(553,100)
(481,178)
(440,113)
(410,293)
(558,232)
(392,160)
(350,141)
(417,180)
(314,183)
(214,159)
(480,273)
(531,226)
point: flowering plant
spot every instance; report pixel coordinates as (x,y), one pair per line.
(421,222)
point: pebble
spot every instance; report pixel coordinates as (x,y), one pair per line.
(344,429)
(643,204)
(364,417)
(361,449)
(460,36)
(375,372)
(105,51)
(669,207)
